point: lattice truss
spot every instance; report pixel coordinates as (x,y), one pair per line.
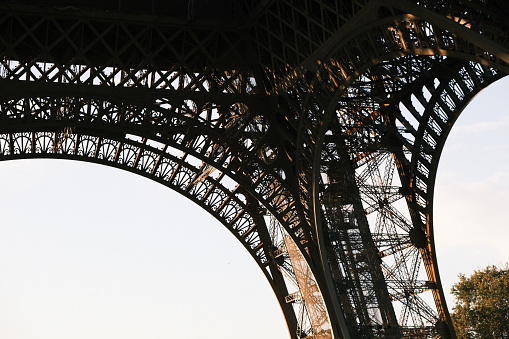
(394,256)
(304,296)
(184,146)
(204,134)
(382,153)
(316,145)
(393,118)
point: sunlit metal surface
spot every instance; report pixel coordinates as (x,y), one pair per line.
(311,129)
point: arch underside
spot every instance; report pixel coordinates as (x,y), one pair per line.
(318,152)
(204,153)
(394,148)
(397,88)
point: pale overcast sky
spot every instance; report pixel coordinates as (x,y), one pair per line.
(88,251)
(472,188)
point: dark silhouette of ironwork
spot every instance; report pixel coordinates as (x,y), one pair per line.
(311,129)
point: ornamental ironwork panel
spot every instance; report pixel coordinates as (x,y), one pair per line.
(312,129)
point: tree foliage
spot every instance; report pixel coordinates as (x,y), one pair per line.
(482,304)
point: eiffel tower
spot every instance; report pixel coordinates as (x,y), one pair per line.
(312,129)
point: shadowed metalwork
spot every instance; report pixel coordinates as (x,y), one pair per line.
(311,129)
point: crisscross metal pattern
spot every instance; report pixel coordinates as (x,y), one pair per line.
(311,129)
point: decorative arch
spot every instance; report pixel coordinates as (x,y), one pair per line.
(317,134)
(335,88)
(212,155)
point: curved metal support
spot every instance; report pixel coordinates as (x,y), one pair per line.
(358,108)
(312,131)
(191,159)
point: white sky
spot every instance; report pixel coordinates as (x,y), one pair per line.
(88,251)
(472,188)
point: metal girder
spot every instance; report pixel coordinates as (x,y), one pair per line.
(311,129)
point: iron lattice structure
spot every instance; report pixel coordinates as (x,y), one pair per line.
(311,129)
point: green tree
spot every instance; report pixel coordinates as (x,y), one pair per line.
(482,304)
